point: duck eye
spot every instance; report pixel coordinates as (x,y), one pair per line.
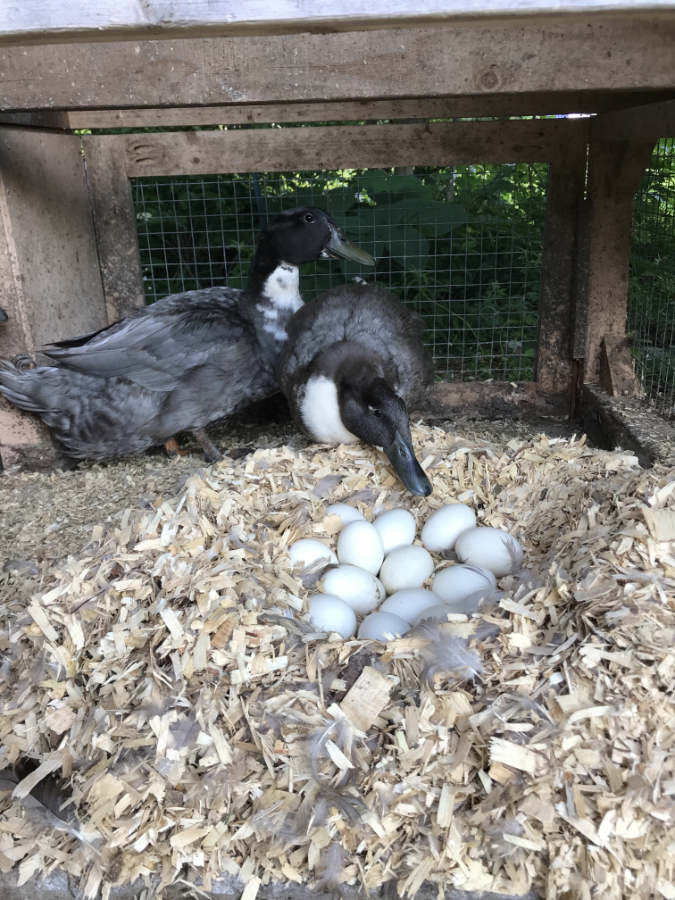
(308,217)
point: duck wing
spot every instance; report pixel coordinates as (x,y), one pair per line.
(157,345)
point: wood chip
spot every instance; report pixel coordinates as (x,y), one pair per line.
(169,669)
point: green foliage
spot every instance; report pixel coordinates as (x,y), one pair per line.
(651,287)
(462,246)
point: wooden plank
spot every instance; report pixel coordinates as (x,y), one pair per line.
(566,185)
(615,169)
(50,284)
(47,119)
(629,423)
(489,400)
(616,55)
(45,21)
(541,104)
(353,146)
(652,121)
(115,224)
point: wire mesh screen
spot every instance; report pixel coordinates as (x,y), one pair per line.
(651,291)
(461,246)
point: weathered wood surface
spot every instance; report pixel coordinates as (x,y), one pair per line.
(651,121)
(489,400)
(353,146)
(566,185)
(541,104)
(615,169)
(115,225)
(617,375)
(617,55)
(50,284)
(629,423)
(46,21)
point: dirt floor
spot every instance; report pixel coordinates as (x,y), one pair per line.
(48,517)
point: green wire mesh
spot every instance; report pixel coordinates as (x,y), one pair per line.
(462,246)
(651,287)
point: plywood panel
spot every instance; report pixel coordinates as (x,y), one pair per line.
(207,152)
(45,21)
(50,285)
(462,62)
(49,225)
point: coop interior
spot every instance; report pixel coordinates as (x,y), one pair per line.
(187,728)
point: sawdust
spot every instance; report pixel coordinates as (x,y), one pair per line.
(167,669)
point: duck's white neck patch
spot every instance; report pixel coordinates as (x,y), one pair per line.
(282,288)
(321,414)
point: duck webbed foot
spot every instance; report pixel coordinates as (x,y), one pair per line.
(211,452)
(172,449)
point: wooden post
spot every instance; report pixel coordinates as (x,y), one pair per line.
(566,183)
(115,225)
(615,169)
(50,286)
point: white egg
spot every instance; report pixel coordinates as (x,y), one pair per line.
(382,626)
(362,590)
(397,529)
(463,587)
(327,612)
(489,548)
(407,567)
(444,526)
(439,612)
(409,604)
(360,545)
(346,512)
(307,551)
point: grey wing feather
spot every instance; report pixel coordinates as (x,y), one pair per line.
(152,347)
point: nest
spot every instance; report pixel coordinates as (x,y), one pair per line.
(170,675)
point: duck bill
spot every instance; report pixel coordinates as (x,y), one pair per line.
(341,246)
(403,459)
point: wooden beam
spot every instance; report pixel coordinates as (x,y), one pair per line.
(47,21)
(47,119)
(353,146)
(50,286)
(615,169)
(566,185)
(527,104)
(652,121)
(115,224)
(522,58)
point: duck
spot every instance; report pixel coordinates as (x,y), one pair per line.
(353,363)
(182,362)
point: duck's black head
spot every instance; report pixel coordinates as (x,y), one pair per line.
(373,411)
(298,236)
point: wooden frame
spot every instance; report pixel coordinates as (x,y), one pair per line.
(602,57)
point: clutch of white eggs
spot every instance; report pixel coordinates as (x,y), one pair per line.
(379,572)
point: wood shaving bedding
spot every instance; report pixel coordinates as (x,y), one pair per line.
(170,670)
